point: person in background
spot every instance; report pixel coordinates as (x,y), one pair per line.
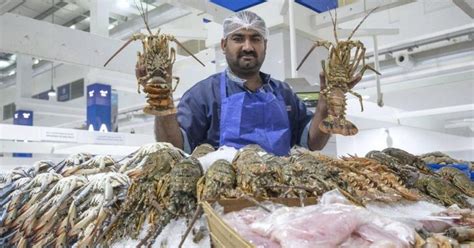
(243,105)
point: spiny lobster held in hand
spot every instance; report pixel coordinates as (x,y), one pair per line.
(340,72)
(154,68)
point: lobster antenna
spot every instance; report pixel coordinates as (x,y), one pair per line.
(143,14)
(117,52)
(363,19)
(306,56)
(334,23)
(185,49)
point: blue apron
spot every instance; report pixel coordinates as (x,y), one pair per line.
(254,118)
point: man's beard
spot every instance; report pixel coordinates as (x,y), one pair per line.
(245,66)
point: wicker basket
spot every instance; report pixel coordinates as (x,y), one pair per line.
(222,235)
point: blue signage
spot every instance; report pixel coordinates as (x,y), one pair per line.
(237,5)
(99,107)
(319,5)
(25,118)
(64,93)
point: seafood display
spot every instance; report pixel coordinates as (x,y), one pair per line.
(95,200)
(340,70)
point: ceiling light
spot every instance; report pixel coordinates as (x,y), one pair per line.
(88,19)
(111,26)
(36,61)
(11,72)
(73,26)
(123,4)
(52,92)
(4,63)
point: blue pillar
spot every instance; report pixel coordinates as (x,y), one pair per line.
(25,118)
(99,107)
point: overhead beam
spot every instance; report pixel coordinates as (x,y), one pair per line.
(160,15)
(8,6)
(50,11)
(465,6)
(429,39)
(353,11)
(28,36)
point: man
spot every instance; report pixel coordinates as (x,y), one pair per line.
(242,105)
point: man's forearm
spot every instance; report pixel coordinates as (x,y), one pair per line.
(318,139)
(167,130)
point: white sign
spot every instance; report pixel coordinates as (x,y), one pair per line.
(108,138)
(58,135)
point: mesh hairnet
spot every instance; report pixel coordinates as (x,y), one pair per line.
(247,20)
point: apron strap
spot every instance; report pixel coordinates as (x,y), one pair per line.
(223,83)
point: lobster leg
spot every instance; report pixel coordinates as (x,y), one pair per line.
(358,57)
(177,82)
(323,64)
(360,99)
(370,68)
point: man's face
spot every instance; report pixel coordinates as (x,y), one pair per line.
(244,51)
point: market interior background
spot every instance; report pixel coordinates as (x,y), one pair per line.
(425,54)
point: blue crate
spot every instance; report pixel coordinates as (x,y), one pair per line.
(472,175)
(460,166)
(464,168)
(435,167)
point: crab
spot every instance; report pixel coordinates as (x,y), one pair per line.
(441,190)
(407,173)
(407,158)
(97,164)
(147,170)
(72,161)
(93,205)
(459,179)
(51,208)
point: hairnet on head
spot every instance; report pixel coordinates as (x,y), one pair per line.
(245,19)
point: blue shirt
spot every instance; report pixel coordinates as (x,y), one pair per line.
(199,110)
